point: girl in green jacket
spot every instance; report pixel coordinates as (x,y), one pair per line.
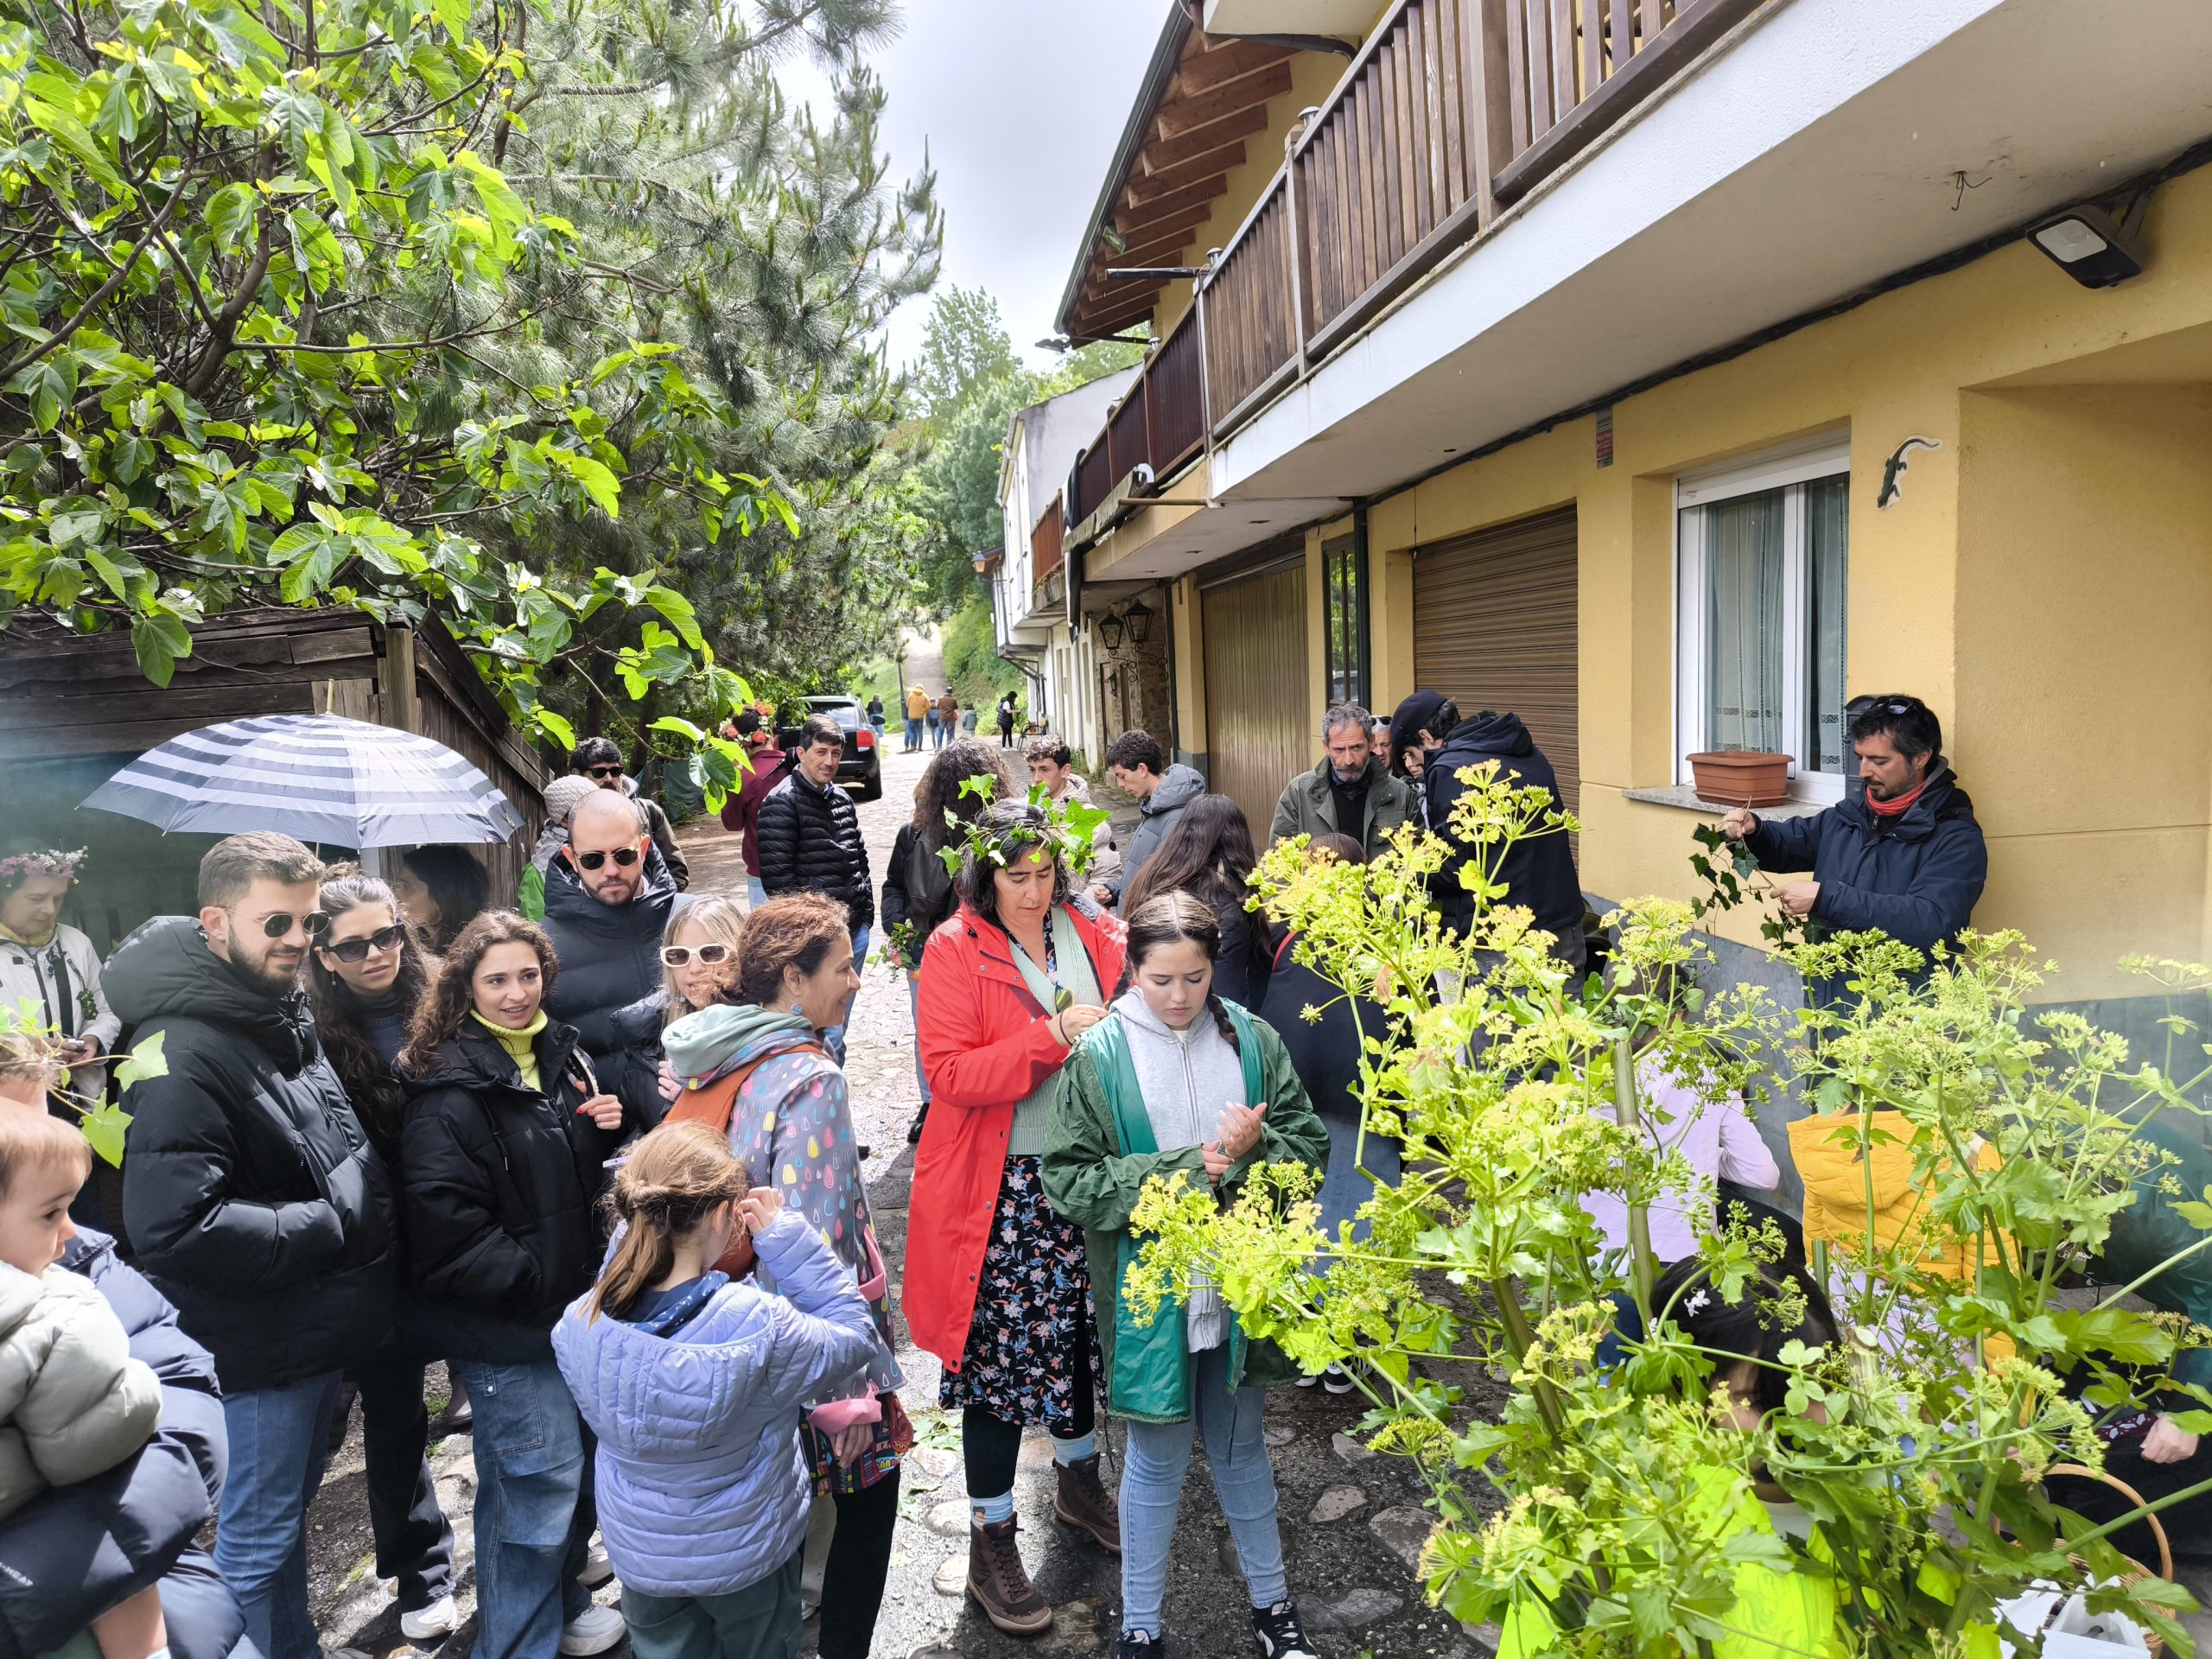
(1174,1078)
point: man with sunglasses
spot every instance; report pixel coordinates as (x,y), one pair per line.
(254,1199)
(599,761)
(609,898)
(810,842)
(1904,857)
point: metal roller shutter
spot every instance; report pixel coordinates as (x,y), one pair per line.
(1494,627)
(1258,730)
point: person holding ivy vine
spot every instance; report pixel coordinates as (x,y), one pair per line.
(997,1285)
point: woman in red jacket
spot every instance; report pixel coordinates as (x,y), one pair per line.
(996,1285)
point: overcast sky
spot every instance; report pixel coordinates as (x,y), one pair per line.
(1020,105)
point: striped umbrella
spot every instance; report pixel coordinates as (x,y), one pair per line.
(317,778)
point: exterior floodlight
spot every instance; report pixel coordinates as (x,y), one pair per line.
(2091,246)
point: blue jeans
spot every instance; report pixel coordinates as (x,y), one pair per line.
(833,1037)
(279,1437)
(529,1474)
(756,892)
(1243,1481)
(913,734)
(914,1001)
(1344,1186)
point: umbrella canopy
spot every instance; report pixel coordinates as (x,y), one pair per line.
(317,778)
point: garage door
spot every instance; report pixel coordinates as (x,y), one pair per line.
(1259,731)
(1494,627)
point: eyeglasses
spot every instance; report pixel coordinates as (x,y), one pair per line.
(356,949)
(603,772)
(624,858)
(276,926)
(710,956)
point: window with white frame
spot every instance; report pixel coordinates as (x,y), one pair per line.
(1760,611)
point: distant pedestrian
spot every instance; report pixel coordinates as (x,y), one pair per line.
(51,967)
(996,1284)
(948,718)
(917,890)
(875,711)
(597,759)
(441,890)
(1007,717)
(754,1070)
(769,766)
(1208,854)
(694,1383)
(810,842)
(1538,873)
(503,1153)
(1906,859)
(1348,792)
(918,709)
(1161,791)
(562,795)
(364,977)
(256,1202)
(1175,1080)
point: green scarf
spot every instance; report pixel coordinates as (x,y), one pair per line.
(521,1044)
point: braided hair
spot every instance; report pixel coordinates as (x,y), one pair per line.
(672,1180)
(1176,917)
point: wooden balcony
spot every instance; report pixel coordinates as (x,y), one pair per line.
(1160,424)
(1047,544)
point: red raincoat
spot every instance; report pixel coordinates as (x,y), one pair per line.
(985,1043)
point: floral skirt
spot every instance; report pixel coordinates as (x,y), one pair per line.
(1034,1340)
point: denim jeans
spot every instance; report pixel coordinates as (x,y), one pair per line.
(833,1037)
(939,732)
(1244,1480)
(529,1471)
(756,893)
(1344,1186)
(279,1437)
(913,735)
(914,1001)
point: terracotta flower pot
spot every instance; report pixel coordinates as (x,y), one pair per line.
(1740,778)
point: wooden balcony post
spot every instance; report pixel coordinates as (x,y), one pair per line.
(1489,71)
(1293,252)
(1206,369)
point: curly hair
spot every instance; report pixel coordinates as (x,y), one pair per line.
(371,1084)
(442,1014)
(938,793)
(795,930)
(1018,829)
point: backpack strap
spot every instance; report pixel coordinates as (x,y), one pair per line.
(714,1104)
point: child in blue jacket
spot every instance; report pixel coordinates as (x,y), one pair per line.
(695,1385)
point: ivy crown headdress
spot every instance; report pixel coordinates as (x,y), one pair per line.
(1072,824)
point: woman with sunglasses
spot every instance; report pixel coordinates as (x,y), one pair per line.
(365,976)
(748,1051)
(503,1156)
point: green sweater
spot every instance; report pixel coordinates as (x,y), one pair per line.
(1093,1179)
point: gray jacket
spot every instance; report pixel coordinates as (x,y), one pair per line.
(1308,807)
(1179,787)
(74,1403)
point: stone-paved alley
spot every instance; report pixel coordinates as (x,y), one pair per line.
(1351,1520)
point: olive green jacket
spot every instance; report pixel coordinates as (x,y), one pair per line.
(1099,1153)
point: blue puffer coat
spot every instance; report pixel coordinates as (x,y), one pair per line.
(74,1552)
(702,1490)
(1916,877)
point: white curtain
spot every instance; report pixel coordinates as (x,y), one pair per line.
(1826,530)
(1743,632)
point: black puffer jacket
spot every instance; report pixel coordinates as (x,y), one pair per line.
(1538,873)
(810,842)
(253,1198)
(610,959)
(74,1552)
(901,903)
(499,1185)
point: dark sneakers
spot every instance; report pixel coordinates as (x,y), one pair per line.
(914,1129)
(1000,1582)
(1281,1637)
(1136,1644)
(1084,1503)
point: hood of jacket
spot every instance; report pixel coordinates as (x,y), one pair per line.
(1179,787)
(1480,737)
(550,840)
(167,969)
(568,904)
(713,1041)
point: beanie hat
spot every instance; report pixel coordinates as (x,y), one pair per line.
(562,795)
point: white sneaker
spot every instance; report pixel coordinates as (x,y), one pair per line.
(597,1568)
(594,1630)
(441,1618)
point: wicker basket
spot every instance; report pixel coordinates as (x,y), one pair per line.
(2138,1570)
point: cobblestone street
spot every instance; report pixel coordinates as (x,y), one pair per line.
(1352,1522)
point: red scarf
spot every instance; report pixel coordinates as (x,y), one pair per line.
(1897,806)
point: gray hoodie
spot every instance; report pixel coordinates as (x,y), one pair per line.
(1186,1077)
(1179,787)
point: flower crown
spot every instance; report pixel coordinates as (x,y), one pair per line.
(1070,821)
(21,867)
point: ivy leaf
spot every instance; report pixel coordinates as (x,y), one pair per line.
(144,1061)
(104,1130)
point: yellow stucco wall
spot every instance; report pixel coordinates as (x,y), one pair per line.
(1189,667)
(2045,582)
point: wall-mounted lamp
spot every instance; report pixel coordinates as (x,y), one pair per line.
(2090,245)
(1110,630)
(1138,615)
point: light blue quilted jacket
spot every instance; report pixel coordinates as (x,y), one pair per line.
(702,1490)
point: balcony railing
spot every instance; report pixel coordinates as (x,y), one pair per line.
(1160,424)
(1047,542)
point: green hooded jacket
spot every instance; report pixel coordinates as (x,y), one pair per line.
(1099,1153)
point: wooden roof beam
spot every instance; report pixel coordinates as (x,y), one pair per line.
(1101,320)
(1222,61)
(1161,154)
(1131,220)
(1181,115)
(1150,186)
(1154,224)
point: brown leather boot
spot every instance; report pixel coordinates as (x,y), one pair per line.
(1084,1503)
(1000,1582)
